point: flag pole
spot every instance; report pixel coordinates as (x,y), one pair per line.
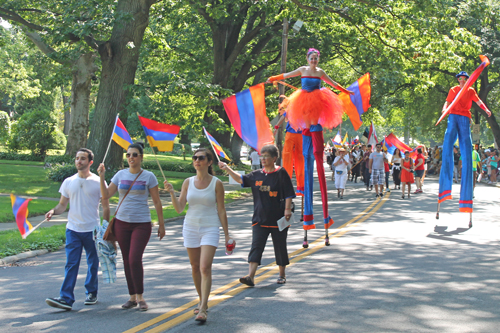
(216,155)
(35,228)
(154,152)
(110,139)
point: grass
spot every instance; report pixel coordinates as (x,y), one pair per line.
(32,163)
(27,180)
(36,207)
(51,238)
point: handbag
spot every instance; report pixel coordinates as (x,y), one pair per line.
(109,235)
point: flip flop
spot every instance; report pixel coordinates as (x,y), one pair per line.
(247,280)
(281,280)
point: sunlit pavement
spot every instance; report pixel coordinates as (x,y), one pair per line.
(400,269)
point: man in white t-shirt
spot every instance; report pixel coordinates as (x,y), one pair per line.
(82,191)
(254,156)
(376,168)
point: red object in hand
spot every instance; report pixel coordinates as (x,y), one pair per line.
(231,244)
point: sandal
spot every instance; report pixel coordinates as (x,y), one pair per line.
(247,280)
(143,306)
(196,310)
(201,317)
(403,196)
(281,280)
(129,305)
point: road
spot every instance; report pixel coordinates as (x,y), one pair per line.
(391,267)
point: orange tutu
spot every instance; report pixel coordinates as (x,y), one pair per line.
(320,106)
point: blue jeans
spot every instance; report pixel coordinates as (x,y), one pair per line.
(75,242)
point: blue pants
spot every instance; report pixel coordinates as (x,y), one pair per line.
(75,242)
(457,126)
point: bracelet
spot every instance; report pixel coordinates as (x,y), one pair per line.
(276,127)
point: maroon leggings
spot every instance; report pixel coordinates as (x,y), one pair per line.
(133,238)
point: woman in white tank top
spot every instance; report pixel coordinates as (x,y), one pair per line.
(206,213)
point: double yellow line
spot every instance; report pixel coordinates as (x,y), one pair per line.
(262,274)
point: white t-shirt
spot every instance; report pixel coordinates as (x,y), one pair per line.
(84,195)
(255,158)
(341,166)
(378,160)
(135,209)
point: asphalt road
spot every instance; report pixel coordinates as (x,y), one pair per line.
(391,267)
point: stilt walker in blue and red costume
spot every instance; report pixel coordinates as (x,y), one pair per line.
(310,109)
(459,122)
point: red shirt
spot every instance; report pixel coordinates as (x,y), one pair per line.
(465,103)
(417,160)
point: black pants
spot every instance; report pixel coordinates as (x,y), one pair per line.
(396,176)
(367,176)
(259,240)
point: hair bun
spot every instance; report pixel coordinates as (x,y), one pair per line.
(140,143)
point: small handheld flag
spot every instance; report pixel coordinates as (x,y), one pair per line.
(20,210)
(159,135)
(216,146)
(337,140)
(120,134)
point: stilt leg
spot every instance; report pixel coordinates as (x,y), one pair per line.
(305,244)
(437,214)
(470,222)
(302,211)
(327,238)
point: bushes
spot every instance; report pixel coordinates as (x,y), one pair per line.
(4,126)
(59,159)
(60,172)
(20,157)
(37,131)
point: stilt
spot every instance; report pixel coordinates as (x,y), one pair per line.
(470,222)
(437,214)
(302,211)
(305,244)
(327,238)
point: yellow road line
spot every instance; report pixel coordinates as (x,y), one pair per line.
(266,271)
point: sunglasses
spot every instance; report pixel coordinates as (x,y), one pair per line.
(199,157)
(263,157)
(132,155)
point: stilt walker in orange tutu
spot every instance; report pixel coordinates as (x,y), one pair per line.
(310,109)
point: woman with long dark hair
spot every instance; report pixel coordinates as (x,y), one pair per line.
(396,168)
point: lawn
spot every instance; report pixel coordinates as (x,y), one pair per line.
(51,238)
(36,207)
(27,180)
(32,163)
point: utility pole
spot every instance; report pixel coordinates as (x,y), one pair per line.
(284,49)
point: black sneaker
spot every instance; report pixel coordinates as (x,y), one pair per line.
(90,300)
(371,187)
(58,302)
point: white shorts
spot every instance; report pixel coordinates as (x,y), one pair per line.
(340,180)
(197,236)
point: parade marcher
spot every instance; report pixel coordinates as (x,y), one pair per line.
(407,174)
(366,161)
(273,192)
(132,225)
(387,170)
(341,164)
(254,156)
(419,170)
(292,156)
(459,125)
(494,159)
(396,168)
(205,215)
(456,162)
(82,192)
(310,109)
(356,163)
(376,169)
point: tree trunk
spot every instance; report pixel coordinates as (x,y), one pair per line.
(119,57)
(67,113)
(486,87)
(80,96)
(236,143)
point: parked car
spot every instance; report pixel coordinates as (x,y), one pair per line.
(195,146)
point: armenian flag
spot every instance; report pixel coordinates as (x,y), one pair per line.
(247,113)
(391,142)
(20,210)
(215,145)
(159,135)
(120,134)
(357,104)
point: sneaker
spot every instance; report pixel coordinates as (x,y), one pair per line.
(371,187)
(388,190)
(58,302)
(90,300)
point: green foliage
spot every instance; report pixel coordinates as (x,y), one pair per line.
(19,157)
(59,172)
(51,238)
(36,207)
(4,126)
(59,140)
(59,159)
(35,131)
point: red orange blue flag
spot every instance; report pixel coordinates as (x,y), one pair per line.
(20,210)
(159,135)
(247,113)
(357,104)
(215,145)
(391,142)
(120,134)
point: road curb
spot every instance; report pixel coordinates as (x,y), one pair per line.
(25,255)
